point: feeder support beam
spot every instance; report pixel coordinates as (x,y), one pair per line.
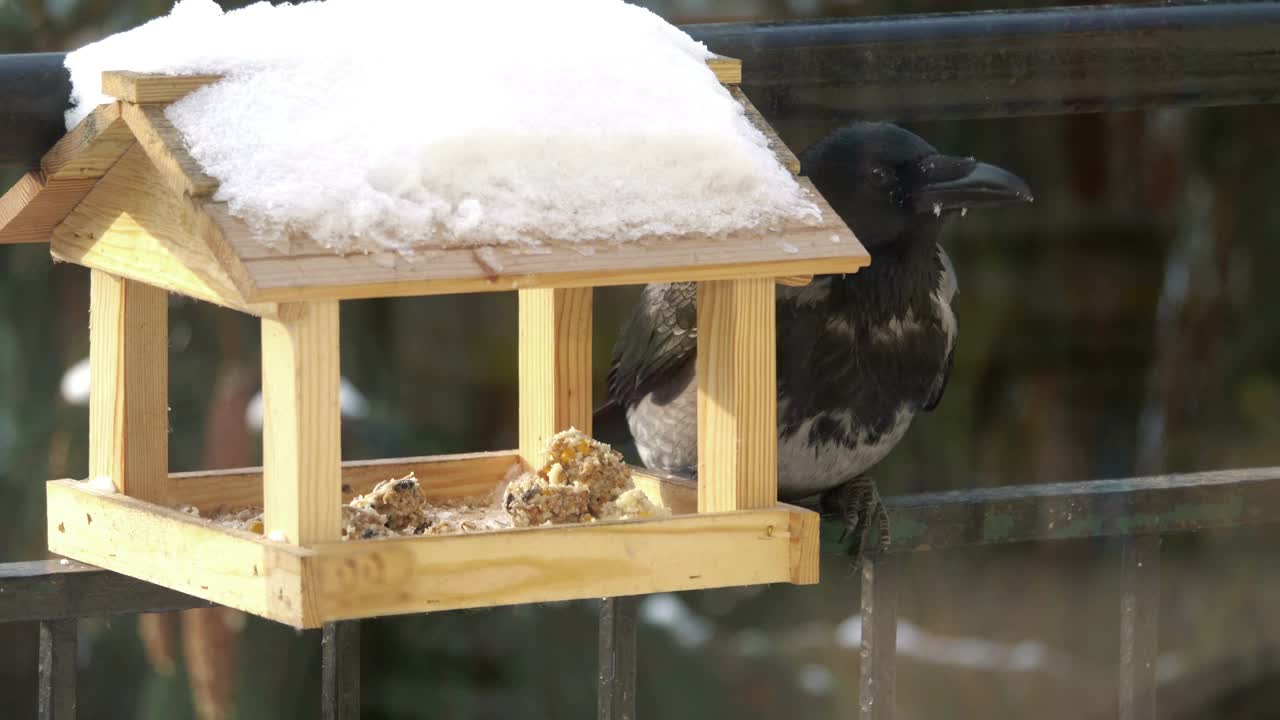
(129,385)
(737,396)
(555,365)
(302,441)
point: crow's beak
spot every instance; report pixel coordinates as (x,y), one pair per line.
(962,183)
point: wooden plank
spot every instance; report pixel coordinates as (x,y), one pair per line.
(302,440)
(149,88)
(131,225)
(728,70)
(441,477)
(805,543)
(780,150)
(33,207)
(91,148)
(555,366)
(737,396)
(795,280)
(129,388)
(61,589)
(165,547)
(167,150)
(41,199)
(677,494)
(307,271)
(353,277)
(607,559)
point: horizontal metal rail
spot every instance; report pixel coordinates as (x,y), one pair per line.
(1007,63)
(909,67)
(59,590)
(1064,511)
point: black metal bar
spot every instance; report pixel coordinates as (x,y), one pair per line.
(340,670)
(1060,511)
(1006,63)
(616,693)
(985,64)
(1139,620)
(878,667)
(35,91)
(51,590)
(57,670)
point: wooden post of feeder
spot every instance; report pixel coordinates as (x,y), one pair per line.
(555,365)
(129,385)
(302,441)
(737,396)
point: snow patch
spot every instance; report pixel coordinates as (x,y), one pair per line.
(377,125)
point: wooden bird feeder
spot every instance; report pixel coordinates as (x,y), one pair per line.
(119,194)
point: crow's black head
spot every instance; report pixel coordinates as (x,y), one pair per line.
(884,181)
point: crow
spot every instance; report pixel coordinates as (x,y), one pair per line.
(858,356)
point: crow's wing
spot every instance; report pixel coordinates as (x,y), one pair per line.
(659,340)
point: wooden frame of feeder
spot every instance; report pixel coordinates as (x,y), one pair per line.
(120,195)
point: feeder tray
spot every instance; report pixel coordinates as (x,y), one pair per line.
(120,194)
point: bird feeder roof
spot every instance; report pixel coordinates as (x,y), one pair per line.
(121,194)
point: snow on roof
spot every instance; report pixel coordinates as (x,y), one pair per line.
(394,124)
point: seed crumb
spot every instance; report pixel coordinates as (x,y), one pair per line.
(580,480)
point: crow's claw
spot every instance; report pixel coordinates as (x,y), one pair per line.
(854,510)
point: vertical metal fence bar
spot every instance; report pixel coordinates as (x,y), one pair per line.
(616,699)
(1139,621)
(879,635)
(57,670)
(340,671)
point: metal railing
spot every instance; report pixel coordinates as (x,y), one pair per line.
(966,65)
(1140,510)
(57,593)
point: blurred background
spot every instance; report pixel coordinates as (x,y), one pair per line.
(1122,325)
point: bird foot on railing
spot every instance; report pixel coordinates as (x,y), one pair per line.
(853,518)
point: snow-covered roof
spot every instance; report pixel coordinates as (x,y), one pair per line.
(122,193)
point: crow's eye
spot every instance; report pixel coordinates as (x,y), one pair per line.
(886,182)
